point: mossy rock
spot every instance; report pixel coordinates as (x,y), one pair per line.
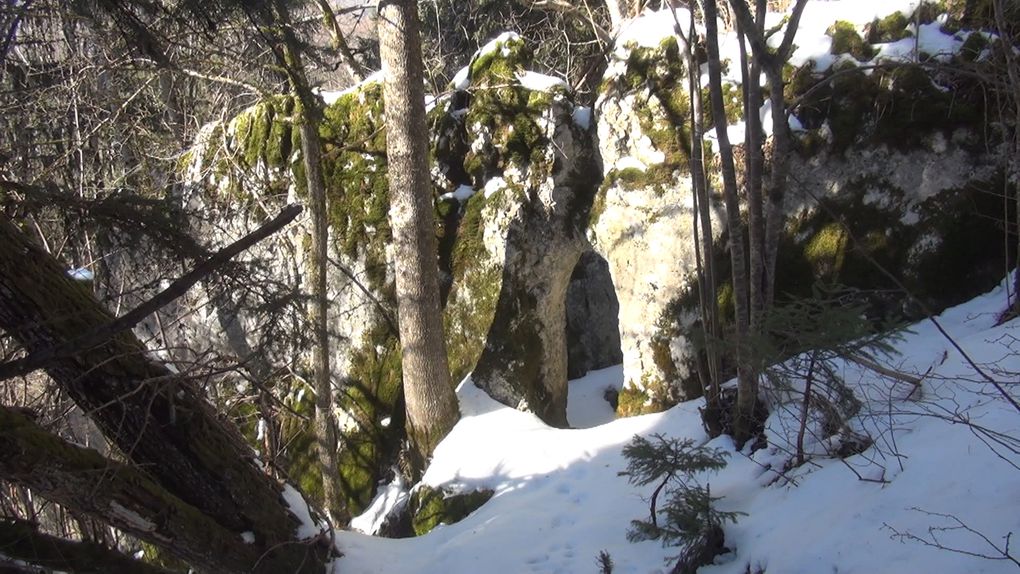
(899,107)
(431,507)
(371,398)
(888,29)
(846,40)
(354,166)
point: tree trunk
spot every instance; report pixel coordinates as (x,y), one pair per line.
(431,404)
(311,157)
(158,419)
(706,254)
(20,540)
(747,383)
(755,163)
(83,481)
(617,14)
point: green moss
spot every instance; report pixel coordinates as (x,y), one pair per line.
(827,250)
(431,507)
(300,458)
(634,401)
(846,40)
(354,167)
(973,47)
(663,114)
(370,396)
(889,29)
(899,107)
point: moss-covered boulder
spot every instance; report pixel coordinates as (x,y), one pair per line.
(429,507)
(642,220)
(897,165)
(514,174)
(528,177)
(253,163)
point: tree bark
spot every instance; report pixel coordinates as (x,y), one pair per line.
(747,383)
(431,404)
(84,481)
(755,163)
(20,540)
(704,241)
(311,157)
(158,419)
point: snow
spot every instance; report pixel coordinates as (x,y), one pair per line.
(497,43)
(494,185)
(559,500)
(330,97)
(389,496)
(308,528)
(461,194)
(81,274)
(539,82)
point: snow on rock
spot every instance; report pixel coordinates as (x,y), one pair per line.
(308,528)
(559,500)
(461,194)
(389,497)
(539,82)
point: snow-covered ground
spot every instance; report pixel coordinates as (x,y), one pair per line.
(559,500)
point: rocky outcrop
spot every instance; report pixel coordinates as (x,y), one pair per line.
(896,166)
(515,170)
(593,325)
(531,172)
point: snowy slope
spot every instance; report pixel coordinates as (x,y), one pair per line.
(559,500)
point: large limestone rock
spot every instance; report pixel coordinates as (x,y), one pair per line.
(530,172)
(593,326)
(515,170)
(642,222)
(896,165)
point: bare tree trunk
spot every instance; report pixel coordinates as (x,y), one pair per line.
(753,143)
(431,404)
(350,64)
(747,383)
(311,157)
(157,418)
(1013,160)
(704,242)
(617,14)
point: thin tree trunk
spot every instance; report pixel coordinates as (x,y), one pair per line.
(1013,95)
(311,157)
(755,160)
(705,248)
(616,14)
(782,147)
(747,384)
(350,64)
(157,418)
(771,62)
(805,409)
(431,404)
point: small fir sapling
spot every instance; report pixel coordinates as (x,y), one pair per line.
(687,518)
